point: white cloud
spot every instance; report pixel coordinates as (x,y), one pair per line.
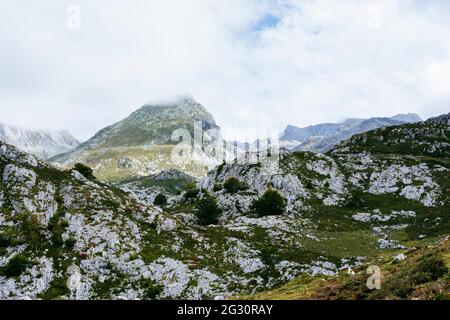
(253,64)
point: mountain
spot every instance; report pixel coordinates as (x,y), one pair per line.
(66,235)
(323,137)
(429,138)
(443,119)
(41,143)
(141,144)
(153,125)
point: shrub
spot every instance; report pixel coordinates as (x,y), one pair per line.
(269,256)
(32,229)
(5,241)
(58,288)
(208,211)
(85,171)
(160,200)
(356,200)
(217,187)
(70,243)
(15,267)
(233,185)
(271,203)
(430,268)
(152,290)
(191,191)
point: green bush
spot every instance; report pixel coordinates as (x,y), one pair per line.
(430,268)
(152,290)
(5,241)
(70,243)
(271,203)
(32,231)
(191,191)
(233,185)
(15,267)
(269,256)
(208,211)
(58,288)
(160,200)
(356,200)
(85,171)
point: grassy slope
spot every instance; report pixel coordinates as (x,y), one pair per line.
(408,279)
(424,274)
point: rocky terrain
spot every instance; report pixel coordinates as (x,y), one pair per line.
(379,197)
(42,143)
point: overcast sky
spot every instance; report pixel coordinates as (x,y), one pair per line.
(251,63)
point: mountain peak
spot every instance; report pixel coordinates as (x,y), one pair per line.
(408,117)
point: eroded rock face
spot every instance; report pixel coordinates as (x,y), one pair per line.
(108,244)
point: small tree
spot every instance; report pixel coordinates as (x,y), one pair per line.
(32,230)
(85,171)
(208,211)
(233,185)
(191,191)
(271,203)
(160,200)
(15,267)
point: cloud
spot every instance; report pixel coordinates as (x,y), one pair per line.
(254,64)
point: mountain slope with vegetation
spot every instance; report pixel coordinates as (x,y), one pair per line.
(240,231)
(142,144)
(415,262)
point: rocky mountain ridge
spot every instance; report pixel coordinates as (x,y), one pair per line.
(41,143)
(323,137)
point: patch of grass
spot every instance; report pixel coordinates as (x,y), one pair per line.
(423,275)
(151,289)
(57,290)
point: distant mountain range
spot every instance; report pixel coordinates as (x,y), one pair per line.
(323,137)
(41,143)
(141,144)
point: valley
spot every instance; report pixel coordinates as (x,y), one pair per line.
(127,224)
